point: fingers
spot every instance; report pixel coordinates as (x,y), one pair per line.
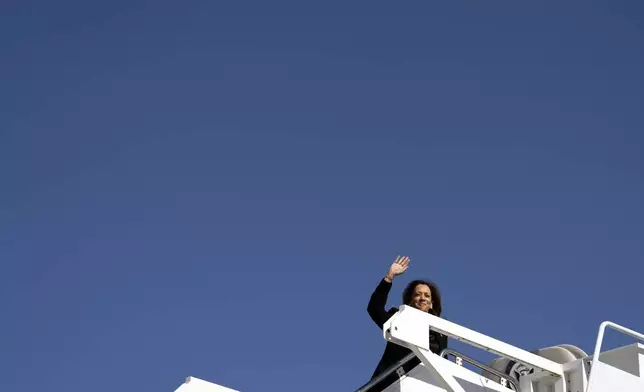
(402,260)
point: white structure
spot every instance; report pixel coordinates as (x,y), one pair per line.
(194,384)
(562,368)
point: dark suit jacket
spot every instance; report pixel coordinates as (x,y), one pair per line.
(394,352)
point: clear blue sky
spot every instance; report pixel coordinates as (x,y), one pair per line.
(215,188)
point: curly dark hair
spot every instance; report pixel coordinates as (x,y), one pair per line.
(437,305)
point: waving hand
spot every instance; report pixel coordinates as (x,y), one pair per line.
(399,266)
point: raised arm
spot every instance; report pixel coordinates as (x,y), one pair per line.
(378,300)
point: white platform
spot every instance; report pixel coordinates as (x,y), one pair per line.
(562,368)
(194,384)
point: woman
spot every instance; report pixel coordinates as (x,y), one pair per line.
(420,294)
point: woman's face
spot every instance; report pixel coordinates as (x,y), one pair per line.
(422,298)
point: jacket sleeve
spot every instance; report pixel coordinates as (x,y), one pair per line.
(377,303)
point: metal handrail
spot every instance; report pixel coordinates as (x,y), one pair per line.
(386,373)
(514,382)
(598,345)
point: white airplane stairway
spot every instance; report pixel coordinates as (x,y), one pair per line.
(194,384)
(562,368)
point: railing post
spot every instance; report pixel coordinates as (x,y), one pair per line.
(598,345)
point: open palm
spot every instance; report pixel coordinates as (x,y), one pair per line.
(398,267)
